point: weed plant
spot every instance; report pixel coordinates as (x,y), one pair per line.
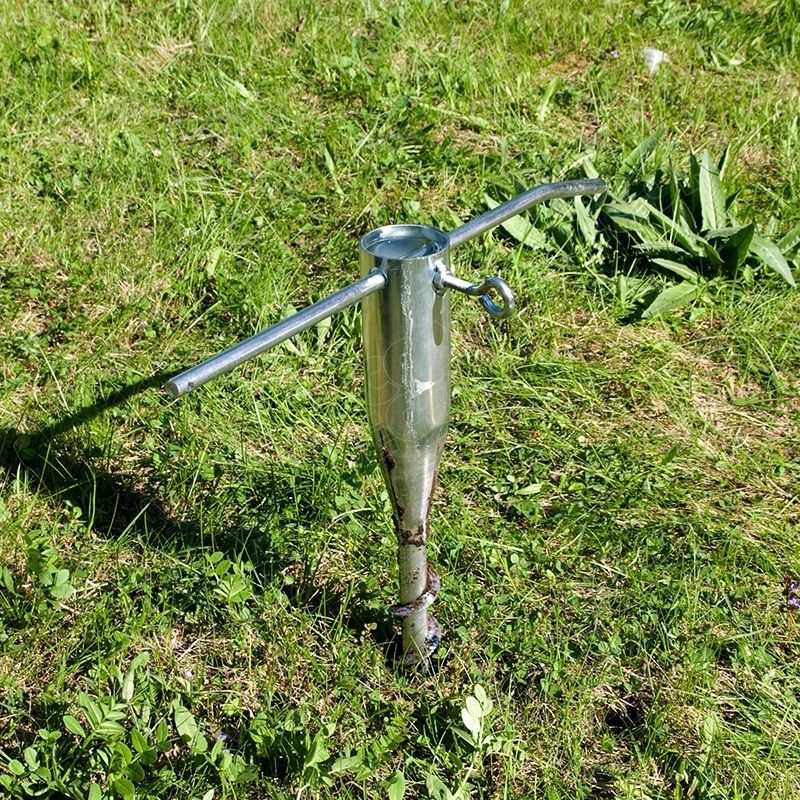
(655,220)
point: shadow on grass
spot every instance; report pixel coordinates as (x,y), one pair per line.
(50,469)
(356,612)
(68,471)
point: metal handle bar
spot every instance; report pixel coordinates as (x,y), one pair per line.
(539,194)
(353,292)
(229,359)
(493,218)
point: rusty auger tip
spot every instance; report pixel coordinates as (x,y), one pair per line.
(413,657)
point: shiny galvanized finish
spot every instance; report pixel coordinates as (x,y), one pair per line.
(407,362)
(442,281)
(539,194)
(234,356)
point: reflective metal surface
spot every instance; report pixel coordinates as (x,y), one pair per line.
(406,333)
(407,362)
(234,356)
(539,194)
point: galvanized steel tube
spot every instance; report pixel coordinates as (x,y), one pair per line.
(407,365)
(229,359)
(539,194)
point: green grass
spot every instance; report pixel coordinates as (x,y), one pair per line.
(618,502)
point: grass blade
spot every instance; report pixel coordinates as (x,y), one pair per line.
(585,223)
(735,244)
(768,253)
(729,200)
(589,168)
(712,196)
(722,164)
(662,248)
(695,244)
(790,241)
(680,211)
(681,270)
(672,298)
(628,219)
(549,91)
(693,196)
(632,164)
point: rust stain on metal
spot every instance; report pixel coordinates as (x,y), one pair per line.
(389,460)
(417,537)
(400,511)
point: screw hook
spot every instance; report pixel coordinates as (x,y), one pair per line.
(444,280)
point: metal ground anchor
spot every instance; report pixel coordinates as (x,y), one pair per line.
(404,291)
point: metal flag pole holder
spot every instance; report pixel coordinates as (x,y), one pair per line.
(405,289)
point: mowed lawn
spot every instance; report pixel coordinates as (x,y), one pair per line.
(193,593)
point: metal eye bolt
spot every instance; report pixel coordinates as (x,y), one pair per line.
(444,280)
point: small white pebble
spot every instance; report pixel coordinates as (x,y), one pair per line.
(653,59)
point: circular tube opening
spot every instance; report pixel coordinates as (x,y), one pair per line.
(404,242)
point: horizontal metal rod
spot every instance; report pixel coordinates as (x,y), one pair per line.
(539,194)
(308,317)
